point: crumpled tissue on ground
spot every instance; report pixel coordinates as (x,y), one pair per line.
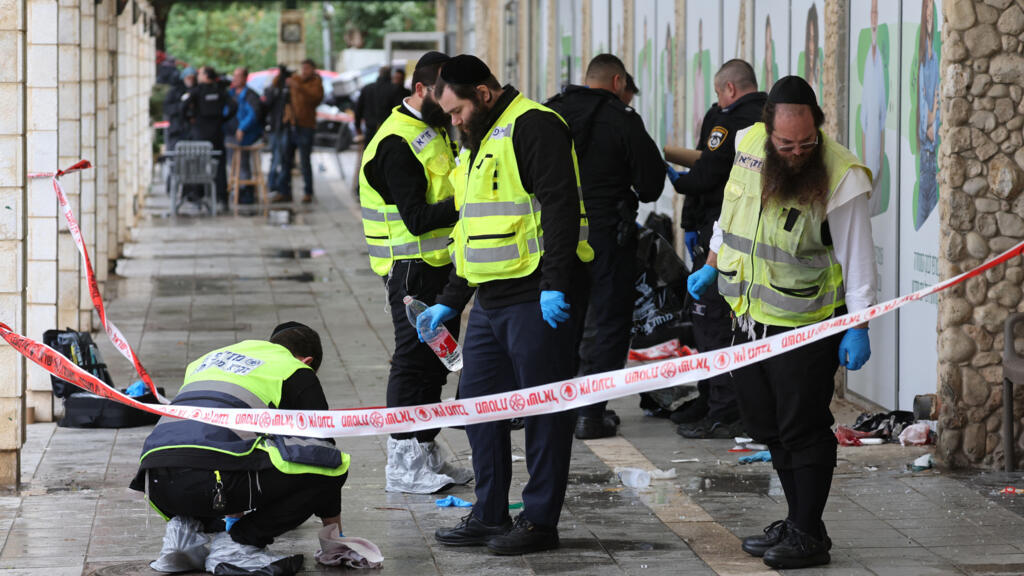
(347,551)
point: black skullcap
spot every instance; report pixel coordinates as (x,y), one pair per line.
(431,58)
(465,69)
(792,90)
(286,326)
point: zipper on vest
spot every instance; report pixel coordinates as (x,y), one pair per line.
(753,249)
(491,236)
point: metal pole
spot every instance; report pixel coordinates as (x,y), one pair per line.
(328,10)
(1008,448)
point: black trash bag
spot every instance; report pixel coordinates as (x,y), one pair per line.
(887,425)
(659,312)
(662,225)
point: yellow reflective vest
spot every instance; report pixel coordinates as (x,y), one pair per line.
(498,235)
(250,375)
(387,238)
(774,263)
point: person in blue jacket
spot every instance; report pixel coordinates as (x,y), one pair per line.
(247,126)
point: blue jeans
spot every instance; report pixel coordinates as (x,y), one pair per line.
(296,137)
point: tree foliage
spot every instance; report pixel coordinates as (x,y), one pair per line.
(229,34)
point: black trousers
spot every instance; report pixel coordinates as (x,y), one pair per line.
(609,317)
(511,348)
(417,374)
(279,502)
(784,401)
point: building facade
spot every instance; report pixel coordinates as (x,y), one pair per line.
(926,92)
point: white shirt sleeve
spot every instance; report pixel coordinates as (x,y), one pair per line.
(849,220)
(716,238)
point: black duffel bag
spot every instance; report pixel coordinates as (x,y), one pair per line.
(84,409)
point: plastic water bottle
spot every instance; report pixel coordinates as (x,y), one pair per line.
(634,477)
(440,340)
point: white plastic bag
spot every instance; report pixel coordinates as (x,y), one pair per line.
(230,557)
(417,468)
(916,434)
(184,547)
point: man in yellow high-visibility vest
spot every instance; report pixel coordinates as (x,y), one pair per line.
(793,247)
(520,242)
(405,191)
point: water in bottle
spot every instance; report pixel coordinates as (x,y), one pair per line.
(440,340)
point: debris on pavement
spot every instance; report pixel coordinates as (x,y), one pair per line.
(922,463)
(918,434)
(762,456)
(453,501)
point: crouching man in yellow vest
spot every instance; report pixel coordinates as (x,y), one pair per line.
(214,475)
(408,212)
(520,243)
(793,247)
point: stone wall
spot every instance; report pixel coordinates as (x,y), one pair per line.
(75,83)
(982,214)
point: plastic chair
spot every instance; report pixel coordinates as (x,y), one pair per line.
(256,179)
(194,164)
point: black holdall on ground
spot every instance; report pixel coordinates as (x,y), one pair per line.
(84,409)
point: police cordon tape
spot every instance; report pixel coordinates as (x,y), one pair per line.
(115,335)
(544,399)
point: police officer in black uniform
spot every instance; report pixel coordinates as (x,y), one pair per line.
(715,414)
(208,107)
(620,166)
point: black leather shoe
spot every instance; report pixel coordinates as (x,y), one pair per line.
(470,532)
(797,550)
(523,538)
(773,535)
(708,428)
(590,427)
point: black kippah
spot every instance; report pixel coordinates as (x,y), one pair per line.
(792,90)
(431,58)
(286,326)
(465,69)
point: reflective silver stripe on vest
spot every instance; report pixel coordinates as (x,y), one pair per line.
(497,254)
(737,243)
(535,244)
(408,248)
(509,208)
(234,390)
(792,303)
(584,233)
(374,215)
(773,253)
(729,288)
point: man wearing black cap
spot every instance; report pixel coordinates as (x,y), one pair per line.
(521,242)
(793,247)
(215,475)
(620,166)
(408,213)
(714,414)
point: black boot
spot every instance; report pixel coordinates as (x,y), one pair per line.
(471,532)
(773,535)
(797,550)
(523,538)
(590,427)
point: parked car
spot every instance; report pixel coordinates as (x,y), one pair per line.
(333,123)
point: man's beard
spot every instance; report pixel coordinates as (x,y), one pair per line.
(786,178)
(475,128)
(433,114)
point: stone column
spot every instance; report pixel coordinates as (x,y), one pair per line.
(69,151)
(981,214)
(125,122)
(87,217)
(41,156)
(112,169)
(12,236)
(101,162)
(834,83)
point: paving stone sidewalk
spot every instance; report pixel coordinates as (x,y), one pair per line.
(189,284)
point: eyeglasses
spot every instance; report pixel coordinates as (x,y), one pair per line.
(803,146)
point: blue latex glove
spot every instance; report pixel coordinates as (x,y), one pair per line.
(699,281)
(673,174)
(762,456)
(553,307)
(455,501)
(138,388)
(429,320)
(229,522)
(855,349)
(690,239)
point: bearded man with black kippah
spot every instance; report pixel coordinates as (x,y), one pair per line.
(793,247)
